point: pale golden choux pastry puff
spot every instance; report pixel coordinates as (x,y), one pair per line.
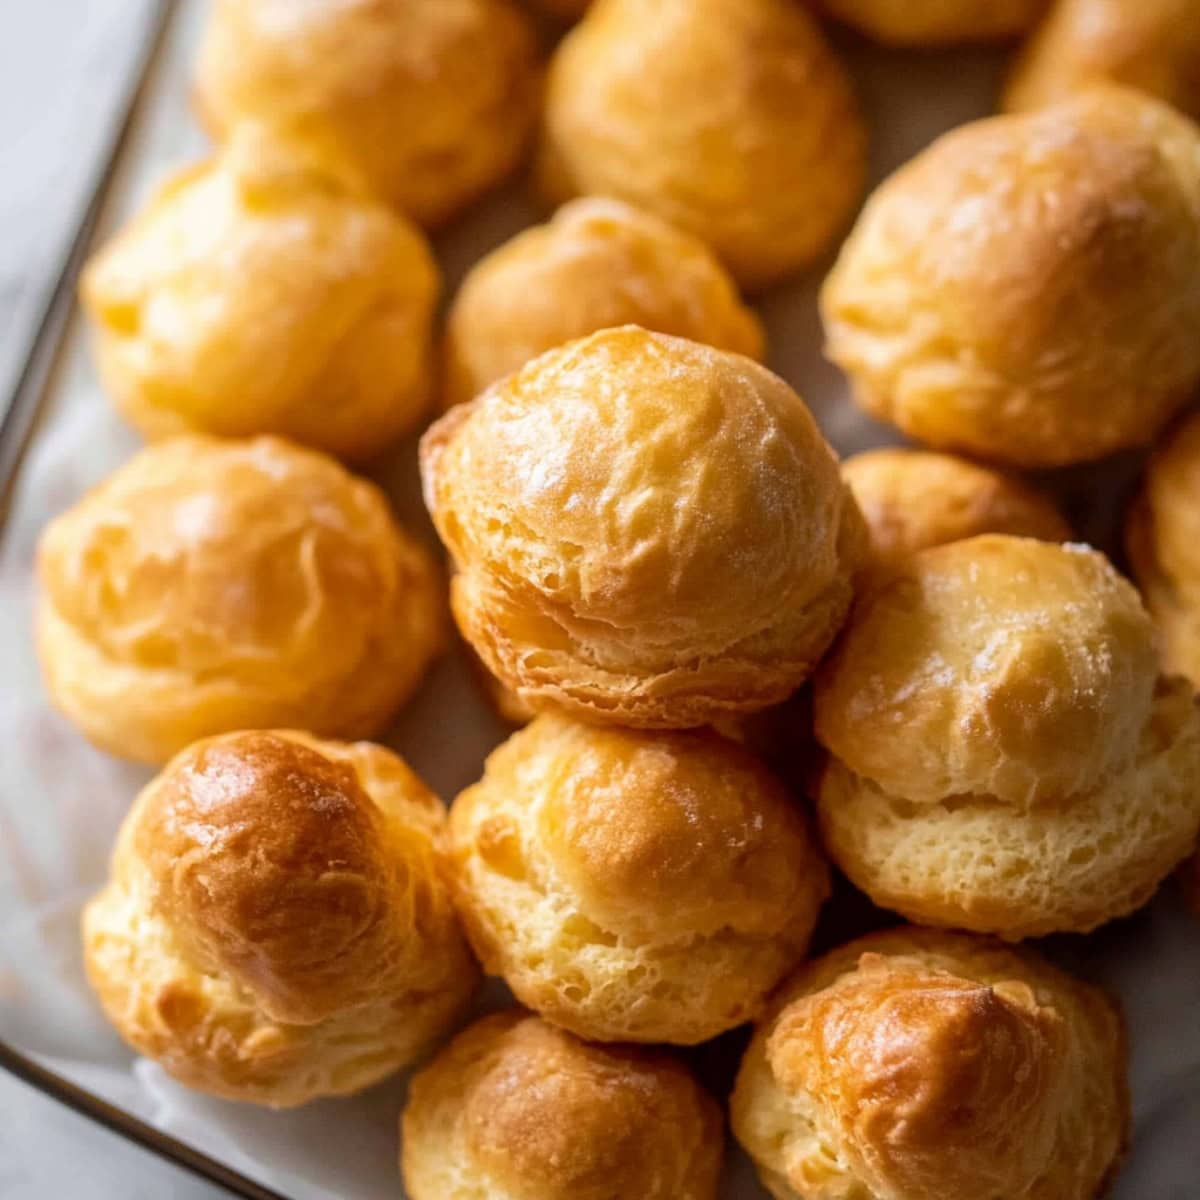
(1152,45)
(1027,289)
(434,100)
(921,1065)
(936,22)
(215,585)
(913,499)
(276,927)
(1162,538)
(646,531)
(732,119)
(266,291)
(514,1107)
(1004,754)
(633,886)
(597,264)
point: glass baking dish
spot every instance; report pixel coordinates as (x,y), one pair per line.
(61,801)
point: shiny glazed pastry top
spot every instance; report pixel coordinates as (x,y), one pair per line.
(276,928)
(920,1065)
(515,1107)
(1151,45)
(596,264)
(912,499)
(634,886)
(936,22)
(732,119)
(1162,537)
(432,99)
(1004,754)
(1027,289)
(646,531)
(266,292)
(216,585)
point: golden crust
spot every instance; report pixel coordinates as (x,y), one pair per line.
(432,99)
(765,167)
(1005,757)
(633,886)
(914,499)
(266,292)
(936,22)
(647,531)
(276,927)
(1162,537)
(515,1107)
(596,264)
(921,1065)
(1027,289)
(209,586)
(1151,45)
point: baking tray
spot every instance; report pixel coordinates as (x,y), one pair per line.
(61,801)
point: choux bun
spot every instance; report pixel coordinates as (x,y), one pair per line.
(913,499)
(1151,45)
(1027,289)
(1162,537)
(209,586)
(267,292)
(1004,755)
(633,887)
(598,263)
(432,99)
(647,531)
(936,22)
(732,119)
(920,1065)
(276,927)
(514,1107)
(565,9)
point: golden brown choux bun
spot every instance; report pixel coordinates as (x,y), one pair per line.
(1162,537)
(209,586)
(266,292)
(597,264)
(912,499)
(647,531)
(1004,755)
(1152,45)
(920,1065)
(276,927)
(1027,289)
(514,1107)
(732,119)
(432,99)
(936,22)
(633,887)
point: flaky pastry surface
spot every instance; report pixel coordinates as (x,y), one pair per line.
(1004,754)
(633,886)
(266,291)
(765,167)
(1027,289)
(514,1107)
(913,499)
(432,99)
(920,1065)
(646,531)
(597,263)
(276,927)
(214,585)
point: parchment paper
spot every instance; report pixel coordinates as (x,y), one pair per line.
(61,802)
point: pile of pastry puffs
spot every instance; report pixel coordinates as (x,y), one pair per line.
(660,564)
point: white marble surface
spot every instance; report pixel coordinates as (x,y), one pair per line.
(60,801)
